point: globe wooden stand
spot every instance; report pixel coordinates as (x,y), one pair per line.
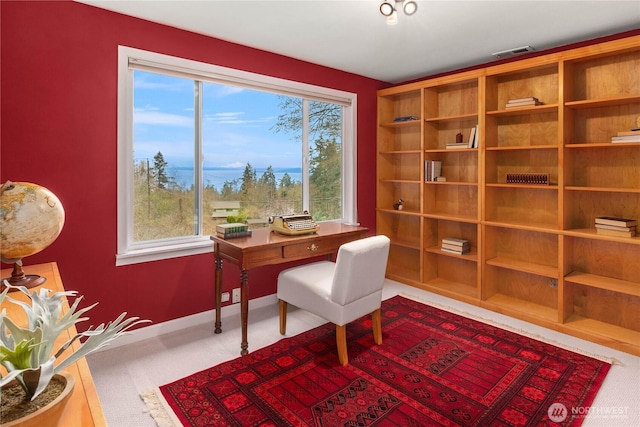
(18,278)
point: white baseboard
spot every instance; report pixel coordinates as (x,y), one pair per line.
(206,317)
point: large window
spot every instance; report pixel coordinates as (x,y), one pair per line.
(200,144)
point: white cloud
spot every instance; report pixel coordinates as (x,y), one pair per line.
(235,118)
(235,165)
(152,117)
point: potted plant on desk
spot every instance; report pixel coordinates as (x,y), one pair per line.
(33,366)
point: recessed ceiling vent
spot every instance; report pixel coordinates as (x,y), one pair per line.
(514,51)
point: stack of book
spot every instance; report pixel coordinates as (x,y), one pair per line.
(432,169)
(405,119)
(631,136)
(231,230)
(618,227)
(530,101)
(455,145)
(455,246)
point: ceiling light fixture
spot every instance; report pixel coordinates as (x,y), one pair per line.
(391,10)
(514,51)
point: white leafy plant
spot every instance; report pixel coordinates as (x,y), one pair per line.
(27,353)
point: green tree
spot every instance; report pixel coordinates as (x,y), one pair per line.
(229,189)
(248,179)
(325,120)
(326,179)
(267,182)
(286,183)
(160,171)
(325,132)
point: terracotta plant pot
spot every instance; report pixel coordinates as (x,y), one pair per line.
(50,415)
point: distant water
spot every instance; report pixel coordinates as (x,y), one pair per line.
(217,176)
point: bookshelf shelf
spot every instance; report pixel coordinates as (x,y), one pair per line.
(459,117)
(604,102)
(471,256)
(472,184)
(524,148)
(523,186)
(607,145)
(405,124)
(605,189)
(535,252)
(527,267)
(607,334)
(452,289)
(509,305)
(602,282)
(547,108)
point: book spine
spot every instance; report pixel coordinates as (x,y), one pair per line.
(620,222)
(457,252)
(614,233)
(455,241)
(233,234)
(455,248)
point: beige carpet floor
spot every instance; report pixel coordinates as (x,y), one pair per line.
(123,373)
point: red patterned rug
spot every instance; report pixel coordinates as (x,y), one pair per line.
(434,368)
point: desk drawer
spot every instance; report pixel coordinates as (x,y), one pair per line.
(266,256)
(314,247)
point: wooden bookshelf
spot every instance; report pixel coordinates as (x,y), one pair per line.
(535,253)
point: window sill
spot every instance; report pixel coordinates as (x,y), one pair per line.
(136,256)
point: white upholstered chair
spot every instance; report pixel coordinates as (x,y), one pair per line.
(339,292)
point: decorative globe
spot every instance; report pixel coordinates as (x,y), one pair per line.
(31,218)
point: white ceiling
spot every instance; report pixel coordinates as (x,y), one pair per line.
(352,35)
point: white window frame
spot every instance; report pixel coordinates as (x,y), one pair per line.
(130,252)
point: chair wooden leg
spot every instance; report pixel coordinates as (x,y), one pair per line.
(341,341)
(283,317)
(376,321)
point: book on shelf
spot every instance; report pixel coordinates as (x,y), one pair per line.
(620,222)
(615,233)
(631,132)
(464,248)
(525,99)
(523,102)
(233,235)
(472,136)
(405,119)
(455,241)
(231,230)
(432,169)
(476,138)
(441,179)
(456,145)
(626,138)
(615,227)
(455,251)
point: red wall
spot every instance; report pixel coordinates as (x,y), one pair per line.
(58,129)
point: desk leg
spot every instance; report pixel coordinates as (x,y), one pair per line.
(218,292)
(244,310)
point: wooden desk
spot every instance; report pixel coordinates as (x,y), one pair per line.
(265,247)
(83,408)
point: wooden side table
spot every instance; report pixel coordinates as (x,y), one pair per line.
(83,409)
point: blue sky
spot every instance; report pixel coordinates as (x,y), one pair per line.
(236,127)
